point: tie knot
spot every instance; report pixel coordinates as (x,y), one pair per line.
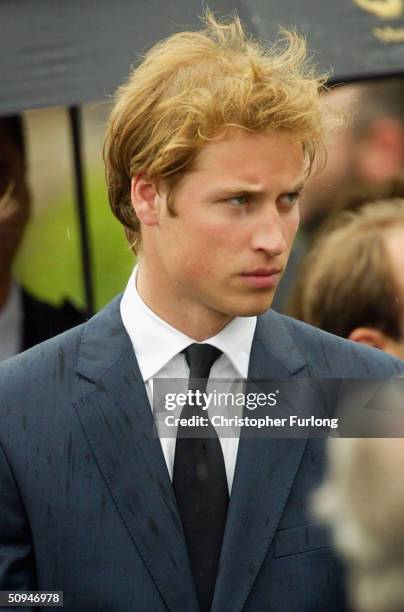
(200,358)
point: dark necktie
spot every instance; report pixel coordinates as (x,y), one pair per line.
(200,482)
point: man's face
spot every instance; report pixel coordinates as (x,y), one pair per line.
(14,199)
(236,216)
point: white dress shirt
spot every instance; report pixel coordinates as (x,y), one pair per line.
(11,316)
(158,347)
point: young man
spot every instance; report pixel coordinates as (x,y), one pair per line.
(208,147)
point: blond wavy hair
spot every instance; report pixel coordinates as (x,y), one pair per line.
(193,86)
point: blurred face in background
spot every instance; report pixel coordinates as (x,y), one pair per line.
(14,199)
(324,191)
(365,154)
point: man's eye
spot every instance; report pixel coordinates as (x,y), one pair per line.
(290,198)
(238,200)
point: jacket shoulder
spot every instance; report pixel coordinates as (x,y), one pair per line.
(49,363)
(49,369)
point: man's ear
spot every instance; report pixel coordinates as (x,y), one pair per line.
(371,337)
(144,198)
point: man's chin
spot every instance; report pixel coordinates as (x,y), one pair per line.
(254,312)
(251,309)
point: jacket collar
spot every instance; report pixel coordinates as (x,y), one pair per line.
(104,340)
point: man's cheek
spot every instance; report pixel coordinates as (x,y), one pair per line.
(231,238)
(200,269)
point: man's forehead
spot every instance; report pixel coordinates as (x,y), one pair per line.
(236,139)
(241,146)
(248,160)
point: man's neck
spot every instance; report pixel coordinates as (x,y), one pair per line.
(196,320)
(5,288)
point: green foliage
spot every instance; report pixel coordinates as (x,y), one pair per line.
(49,261)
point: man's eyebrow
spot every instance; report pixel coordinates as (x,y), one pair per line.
(251,189)
(239,189)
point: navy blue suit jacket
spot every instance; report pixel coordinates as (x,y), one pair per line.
(86,503)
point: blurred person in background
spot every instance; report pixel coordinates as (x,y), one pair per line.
(352,280)
(365,154)
(365,161)
(362,500)
(352,285)
(24,320)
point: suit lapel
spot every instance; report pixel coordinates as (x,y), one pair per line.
(265,471)
(116,417)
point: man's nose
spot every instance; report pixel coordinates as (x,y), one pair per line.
(268,235)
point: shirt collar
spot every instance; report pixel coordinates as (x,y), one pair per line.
(155,342)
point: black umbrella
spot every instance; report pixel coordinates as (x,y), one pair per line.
(66,53)
(359,39)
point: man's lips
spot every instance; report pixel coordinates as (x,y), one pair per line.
(262,277)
